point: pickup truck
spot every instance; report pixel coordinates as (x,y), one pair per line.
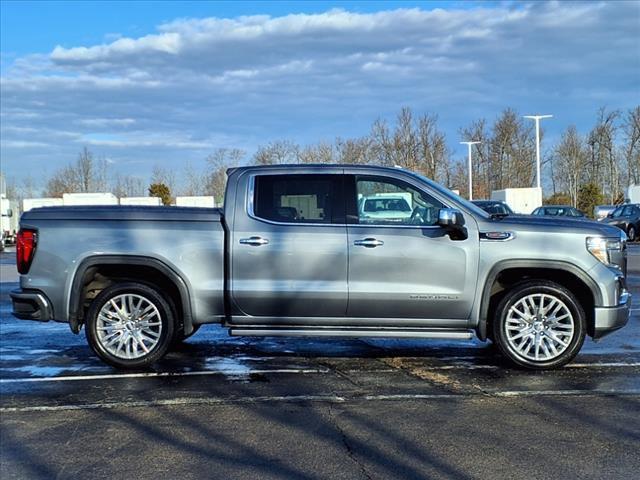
(289,255)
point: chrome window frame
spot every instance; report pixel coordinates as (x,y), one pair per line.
(251,186)
(250,196)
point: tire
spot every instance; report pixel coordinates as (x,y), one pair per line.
(534,341)
(118,337)
(631,233)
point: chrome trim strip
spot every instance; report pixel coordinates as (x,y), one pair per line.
(349,332)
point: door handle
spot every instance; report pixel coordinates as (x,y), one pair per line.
(254,241)
(368,242)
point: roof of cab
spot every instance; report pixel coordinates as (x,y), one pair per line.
(303,166)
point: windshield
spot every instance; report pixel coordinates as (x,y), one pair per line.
(386,204)
(476,210)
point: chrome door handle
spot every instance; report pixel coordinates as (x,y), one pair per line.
(255,241)
(368,242)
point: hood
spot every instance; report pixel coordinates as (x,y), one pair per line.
(539,223)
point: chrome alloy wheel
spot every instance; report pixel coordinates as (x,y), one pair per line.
(539,327)
(129,326)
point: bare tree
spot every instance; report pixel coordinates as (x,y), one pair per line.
(570,158)
(217,164)
(128,186)
(358,151)
(482,176)
(512,150)
(432,149)
(322,152)
(631,146)
(194,183)
(603,168)
(278,152)
(161,175)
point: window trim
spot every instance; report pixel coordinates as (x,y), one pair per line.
(350,176)
(251,190)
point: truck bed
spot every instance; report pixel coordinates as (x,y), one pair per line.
(188,241)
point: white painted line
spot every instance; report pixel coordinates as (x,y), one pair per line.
(241,373)
(498,367)
(313,398)
(409,396)
(602,365)
(177,401)
(230,373)
(541,393)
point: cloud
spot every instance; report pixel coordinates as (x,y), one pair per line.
(196,84)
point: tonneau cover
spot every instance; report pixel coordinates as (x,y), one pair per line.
(124,212)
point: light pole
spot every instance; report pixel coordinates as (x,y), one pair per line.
(468,144)
(537,118)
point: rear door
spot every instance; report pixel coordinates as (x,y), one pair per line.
(402,265)
(289,247)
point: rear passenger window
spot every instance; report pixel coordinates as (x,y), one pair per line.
(294,198)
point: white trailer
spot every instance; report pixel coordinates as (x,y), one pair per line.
(521,200)
(633,194)
(204,201)
(70,199)
(9,220)
(149,201)
(29,203)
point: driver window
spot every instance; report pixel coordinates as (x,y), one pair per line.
(387,201)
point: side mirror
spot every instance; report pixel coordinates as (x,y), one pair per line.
(452,220)
(610,215)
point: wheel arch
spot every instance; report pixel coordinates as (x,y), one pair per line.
(129,268)
(508,273)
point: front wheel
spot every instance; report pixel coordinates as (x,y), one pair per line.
(129,325)
(539,325)
(631,233)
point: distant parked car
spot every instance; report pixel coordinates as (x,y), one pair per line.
(494,207)
(558,211)
(385,206)
(626,217)
(600,212)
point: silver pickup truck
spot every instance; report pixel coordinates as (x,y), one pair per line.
(292,254)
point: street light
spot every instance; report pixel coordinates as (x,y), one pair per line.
(537,118)
(468,144)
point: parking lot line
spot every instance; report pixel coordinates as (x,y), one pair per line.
(233,373)
(329,398)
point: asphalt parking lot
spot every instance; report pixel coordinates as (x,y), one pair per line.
(222,407)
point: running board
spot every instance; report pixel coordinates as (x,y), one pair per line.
(351,332)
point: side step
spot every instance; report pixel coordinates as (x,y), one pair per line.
(352,332)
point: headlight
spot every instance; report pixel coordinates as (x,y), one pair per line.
(604,248)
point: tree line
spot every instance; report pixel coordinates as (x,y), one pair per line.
(581,168)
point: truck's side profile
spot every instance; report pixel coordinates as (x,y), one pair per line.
(293,252)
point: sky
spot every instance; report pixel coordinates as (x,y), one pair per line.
(144,84)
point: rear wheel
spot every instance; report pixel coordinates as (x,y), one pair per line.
(539,325)
(129,325)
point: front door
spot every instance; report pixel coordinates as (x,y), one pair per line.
(402,265)
(289,248)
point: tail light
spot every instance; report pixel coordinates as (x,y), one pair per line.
(25,249)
